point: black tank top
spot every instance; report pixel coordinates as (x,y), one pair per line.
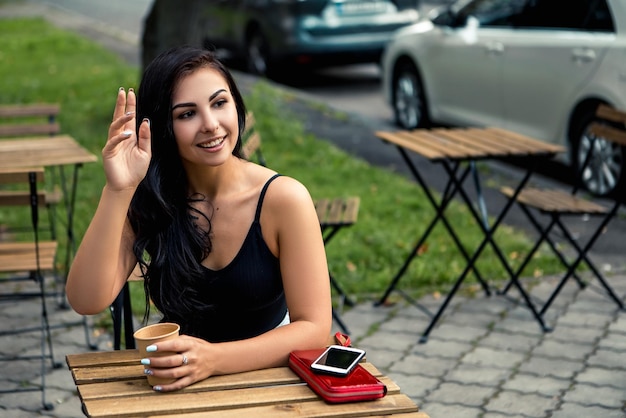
(247,295)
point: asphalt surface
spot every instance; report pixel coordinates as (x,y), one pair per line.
(487,357)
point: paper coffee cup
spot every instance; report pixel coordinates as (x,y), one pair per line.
(151,334)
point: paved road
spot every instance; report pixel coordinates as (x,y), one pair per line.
(486,359)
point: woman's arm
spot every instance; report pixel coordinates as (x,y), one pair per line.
(104,259)
(288,210)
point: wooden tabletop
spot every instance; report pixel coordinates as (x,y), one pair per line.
(43,151)
(112,384)
(469,143)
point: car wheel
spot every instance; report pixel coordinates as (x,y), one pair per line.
(257,53)
(409,105)
(604,173)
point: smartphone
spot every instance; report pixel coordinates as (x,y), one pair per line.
(338,360)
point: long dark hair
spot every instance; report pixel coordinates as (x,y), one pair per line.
(169,245)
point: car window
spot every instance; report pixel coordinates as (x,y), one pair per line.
(588,15)
(566,14)
(492,12)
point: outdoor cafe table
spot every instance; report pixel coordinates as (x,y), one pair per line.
(112,384)
(50,151)
(457,150)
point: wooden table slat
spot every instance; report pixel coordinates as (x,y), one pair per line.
(93,385)
(43,151)
(528,143)
(103,358)
(182,402)
(436,140)
(398,405)
(410,144)
(112,384)
(468,143)
(477,147)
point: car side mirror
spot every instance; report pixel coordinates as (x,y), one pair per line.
(445,16)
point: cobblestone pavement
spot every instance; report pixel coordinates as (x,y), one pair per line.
(487,357)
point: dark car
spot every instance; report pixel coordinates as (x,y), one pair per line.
(279,34)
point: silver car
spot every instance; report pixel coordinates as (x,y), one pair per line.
(538,67)
(280,34)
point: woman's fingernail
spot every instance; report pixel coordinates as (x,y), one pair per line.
(145,361)
(131,89)
(127,133)
(121,88)
(148,372)
(146,120)
(157,388)
(151,348)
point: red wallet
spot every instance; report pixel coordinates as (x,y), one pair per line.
(359,385)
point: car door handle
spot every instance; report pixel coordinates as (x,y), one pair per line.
(495,48)
(583,55)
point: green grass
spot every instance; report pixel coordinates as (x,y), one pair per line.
(40,63)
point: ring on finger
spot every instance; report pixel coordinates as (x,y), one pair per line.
(185,360)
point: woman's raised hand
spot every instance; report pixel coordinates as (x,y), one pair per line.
(126,155)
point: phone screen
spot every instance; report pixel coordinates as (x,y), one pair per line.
(339,360)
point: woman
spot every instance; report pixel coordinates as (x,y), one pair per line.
(229,250)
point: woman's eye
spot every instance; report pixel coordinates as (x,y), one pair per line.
(220,103)
(186,115)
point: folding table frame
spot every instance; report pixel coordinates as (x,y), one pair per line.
(457,150)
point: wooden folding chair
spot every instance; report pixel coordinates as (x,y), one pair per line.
(28,261)
(41,119)
(559,204)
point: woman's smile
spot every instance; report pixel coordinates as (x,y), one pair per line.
(212,143)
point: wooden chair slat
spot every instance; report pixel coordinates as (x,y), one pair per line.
(32,109)
(351,211)
(21,129)
(334,214)
(555,201)
(21,256)
(612,114)
(321,207)
(251,146)
(608,132)
(20,198)
(20,175)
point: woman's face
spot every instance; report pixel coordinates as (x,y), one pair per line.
(204,118)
